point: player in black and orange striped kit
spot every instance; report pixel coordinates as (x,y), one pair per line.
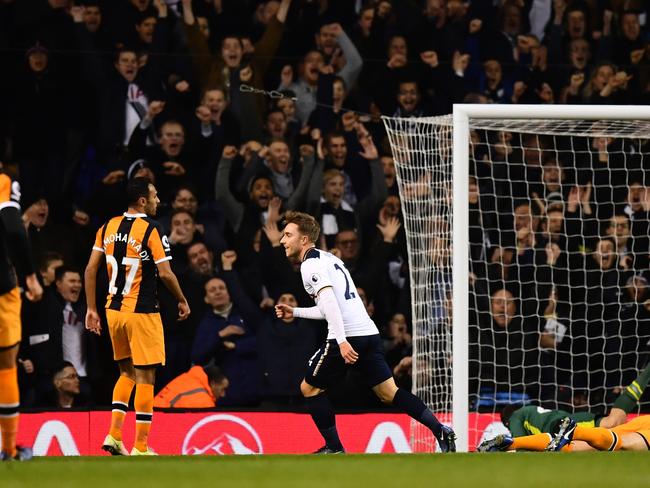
(14,247)
(136,253)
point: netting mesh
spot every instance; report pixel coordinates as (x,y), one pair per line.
(558,241)
(425,192)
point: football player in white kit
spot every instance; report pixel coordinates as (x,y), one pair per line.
(352,340)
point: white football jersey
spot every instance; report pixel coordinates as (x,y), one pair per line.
(321,269)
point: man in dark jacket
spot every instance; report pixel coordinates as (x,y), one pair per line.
(226,335)
(59,334)
(285,345)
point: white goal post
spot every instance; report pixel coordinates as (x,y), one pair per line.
(435,153)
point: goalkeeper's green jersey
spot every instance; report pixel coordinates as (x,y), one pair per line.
(535,420)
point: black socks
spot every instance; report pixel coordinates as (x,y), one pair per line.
(415,408)
(322,412)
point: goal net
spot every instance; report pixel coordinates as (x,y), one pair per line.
(528,249)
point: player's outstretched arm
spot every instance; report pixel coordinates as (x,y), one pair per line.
(171,282)
(312,313)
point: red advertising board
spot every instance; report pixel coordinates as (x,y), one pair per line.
(222,433)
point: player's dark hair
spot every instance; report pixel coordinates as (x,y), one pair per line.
(62,270)
(507,412)
(137,188)
(307,224)
(214,374)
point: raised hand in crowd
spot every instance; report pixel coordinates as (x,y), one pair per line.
(173,168)
(459,63)
(430,58)
(540,58)
(286,75)
(154,109)
(475,26)
(580,195)
(615,83)
(182,86)
(246,74)
(188,13)
(577,79)
(559,6)
(608,15)
(77,14)
(349,120)
(518,90)
(645,201)
(365,139)
(114,177)
(248,149)
(306,151)
(228,259)
(229,152)
(273,233)
(80,217)
(161,7)
(58,4)
(404,367)
(396,61)
(389,229)
(637,55)
(204,114)
(274,209)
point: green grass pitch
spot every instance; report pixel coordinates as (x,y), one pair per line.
(548,470)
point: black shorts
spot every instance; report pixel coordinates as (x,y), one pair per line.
(327,367)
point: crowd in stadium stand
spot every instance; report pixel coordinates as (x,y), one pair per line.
(241,109)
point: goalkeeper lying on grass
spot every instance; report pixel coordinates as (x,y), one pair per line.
(532,427)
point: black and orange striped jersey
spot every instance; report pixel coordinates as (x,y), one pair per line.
(133,245)
(14,245)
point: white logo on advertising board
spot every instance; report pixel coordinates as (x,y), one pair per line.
(222,434)
(385,431)
(55,429)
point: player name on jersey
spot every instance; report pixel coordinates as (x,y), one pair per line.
(135,245)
